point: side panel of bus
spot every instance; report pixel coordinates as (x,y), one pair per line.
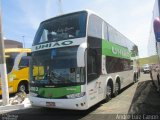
(20,74)
(111,52)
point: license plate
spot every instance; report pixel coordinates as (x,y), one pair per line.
(50,104)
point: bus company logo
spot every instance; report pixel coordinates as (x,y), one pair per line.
(121,52)
(53,45)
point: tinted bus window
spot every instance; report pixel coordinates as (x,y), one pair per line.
(114,64)
(10,58)
(24,62)
(105,29)
(62,28)
(95,26)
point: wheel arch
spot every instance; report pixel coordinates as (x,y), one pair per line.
(109,81)
(26,82)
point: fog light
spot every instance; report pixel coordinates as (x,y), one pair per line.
(81,104)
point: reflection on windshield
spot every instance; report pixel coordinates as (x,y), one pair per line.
(68,75)
(57,66)
(62,28)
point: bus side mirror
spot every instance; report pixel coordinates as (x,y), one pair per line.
(156,26)
(81,55)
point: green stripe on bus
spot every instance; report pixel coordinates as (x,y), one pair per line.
(114,50)
(58,92)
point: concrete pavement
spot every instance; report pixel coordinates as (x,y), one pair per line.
(25,104)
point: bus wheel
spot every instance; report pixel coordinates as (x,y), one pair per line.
(158,83)
(22,87)
(117,89)
(135,78)
(108,93)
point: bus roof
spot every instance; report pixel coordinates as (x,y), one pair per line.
(64,15)
(89,12)
(17,50)
(86,10)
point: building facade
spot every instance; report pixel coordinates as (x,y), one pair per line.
(12,44)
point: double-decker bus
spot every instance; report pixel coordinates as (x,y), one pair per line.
(154,45)
(78,60)
(17,63)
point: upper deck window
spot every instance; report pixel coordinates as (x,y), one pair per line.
(95,26)
(62,28)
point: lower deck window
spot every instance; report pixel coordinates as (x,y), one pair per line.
(114,64)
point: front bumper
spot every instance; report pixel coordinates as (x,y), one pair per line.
(74,104)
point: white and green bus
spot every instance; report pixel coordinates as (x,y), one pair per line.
(78,60)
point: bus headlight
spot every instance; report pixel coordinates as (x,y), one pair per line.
(77,95)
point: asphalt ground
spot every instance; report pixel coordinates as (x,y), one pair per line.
(139,101)
(146,99)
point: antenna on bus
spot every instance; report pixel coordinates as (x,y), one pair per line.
(60,7)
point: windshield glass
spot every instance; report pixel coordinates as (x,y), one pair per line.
(62,28)
(56,66)
(10,58)
(24,62)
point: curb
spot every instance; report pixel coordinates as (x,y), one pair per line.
(24,105)
(11,107)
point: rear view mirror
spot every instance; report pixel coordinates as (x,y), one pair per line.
(156,27)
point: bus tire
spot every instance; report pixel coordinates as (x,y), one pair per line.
(135,78)
(108,92)
(117,88)
(23,87)
(158,80)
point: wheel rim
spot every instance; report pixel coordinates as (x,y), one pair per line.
(135,78)
(22,88)
(116,87)
(109,90)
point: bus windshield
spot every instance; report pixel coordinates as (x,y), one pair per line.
(56,66)
(10,58)
(62,28)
